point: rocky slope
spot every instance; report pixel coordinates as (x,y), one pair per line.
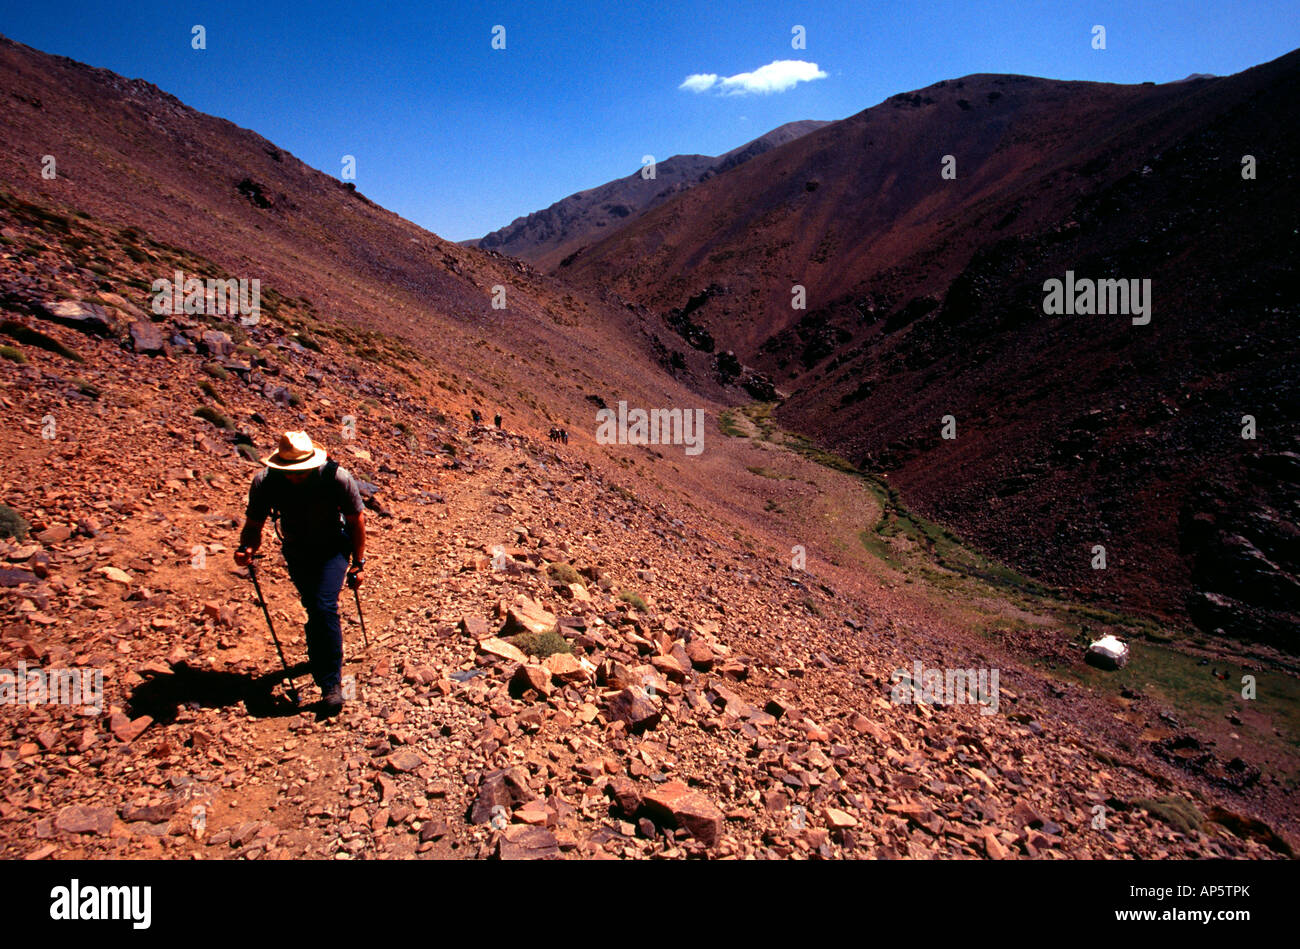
(714,702)
(925,299)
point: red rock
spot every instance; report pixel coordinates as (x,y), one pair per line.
(625,794)
(634,707)
(700,654)
(774,802)
(54,535)
(1024,815)
(777,707)
(535,813)
(522,842)
(566,668)
(404,760)
(475,626)
(502,649)
(76,819)
(528,676)
(815,732)
(126,729)
(146,337)
(688,809)
(840,819)
(670,668)
(527,616)
(994,848)
(866,726)
(500,789)
(433,830)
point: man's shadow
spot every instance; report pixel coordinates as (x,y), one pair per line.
(161,695)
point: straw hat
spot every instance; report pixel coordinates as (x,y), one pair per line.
(295,453)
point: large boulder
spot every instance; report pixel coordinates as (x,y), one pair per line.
(527,616)
(216,343)
(498,794)
(634,707)
(521,842)
(689,810)
(147,337)
(89,318)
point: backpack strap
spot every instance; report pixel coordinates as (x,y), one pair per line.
(328,470)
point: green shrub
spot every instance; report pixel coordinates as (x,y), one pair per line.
(541,644)
(87,389)
(563,572)
(209,414)
(248,451)
(211,392)
(13,354)
(216,370)
(12,523)
(1177,812)
(25,334)
(628,596)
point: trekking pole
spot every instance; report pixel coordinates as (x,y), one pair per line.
(356,596)
(252,572)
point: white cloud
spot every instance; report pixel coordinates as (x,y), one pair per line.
(699,81)
(777,76)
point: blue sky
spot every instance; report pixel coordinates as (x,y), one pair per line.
(462,138)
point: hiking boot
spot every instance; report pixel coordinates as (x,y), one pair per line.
(332,701)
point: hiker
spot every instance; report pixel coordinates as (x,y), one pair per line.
(497,420)
(318,511)
(564,435)
(476,416)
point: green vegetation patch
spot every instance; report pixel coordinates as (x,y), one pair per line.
(1179,813)
(635,599)
(12,524)
(211,392)
(563,572)
(209,414)
(33,337)
(541,645)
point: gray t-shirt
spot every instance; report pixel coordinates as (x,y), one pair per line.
(311,513)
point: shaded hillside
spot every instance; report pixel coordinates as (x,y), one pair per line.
(925,299)
(557,233)
(131,156)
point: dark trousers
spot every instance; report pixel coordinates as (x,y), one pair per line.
(319,582)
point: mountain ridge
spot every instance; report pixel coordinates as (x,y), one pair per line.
(923,298)
(556,232)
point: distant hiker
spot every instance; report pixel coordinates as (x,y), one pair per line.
(318,510)
(497,421)
(476,416)
(564,435)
